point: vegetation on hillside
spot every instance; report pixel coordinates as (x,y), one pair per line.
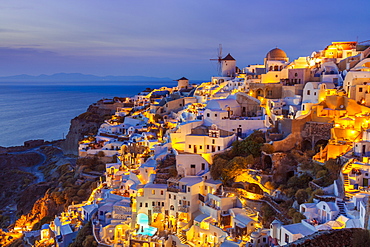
(243,154)
(85,237)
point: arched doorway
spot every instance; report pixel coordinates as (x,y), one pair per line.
(267,162)
(320,144)
(289,174)
(306,145)
(254,188)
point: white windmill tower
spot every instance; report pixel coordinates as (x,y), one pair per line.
(226,66)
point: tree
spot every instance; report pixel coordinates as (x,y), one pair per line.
(83,237)
(314,193)
(249,146)
(297,217)
(234,167)
(89,242)
(217,167)
(301,195)
(333,168)
(267,148)
(101,154)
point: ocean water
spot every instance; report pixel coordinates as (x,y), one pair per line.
(44,112)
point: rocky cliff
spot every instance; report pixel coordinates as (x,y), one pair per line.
(334,238)
(85,124)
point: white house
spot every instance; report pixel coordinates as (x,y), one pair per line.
(151,201)
(242,223)
(284,234)
(204,139)
(191,164)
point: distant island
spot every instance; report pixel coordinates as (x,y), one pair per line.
(75,77)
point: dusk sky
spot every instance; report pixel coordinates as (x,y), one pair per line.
(167,38)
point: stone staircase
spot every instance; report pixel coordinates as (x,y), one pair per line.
(345,172)
(346,179)
(348,167)
(342,208)
(182,239)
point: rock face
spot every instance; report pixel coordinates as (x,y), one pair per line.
(43,207)
(85,124)
(334,238)
(30,195)
(283,167)
(13,170)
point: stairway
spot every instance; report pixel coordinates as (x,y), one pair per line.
(346,179)
(348,168)
(182,239)
(348,196)
(342,209)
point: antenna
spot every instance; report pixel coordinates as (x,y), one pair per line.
(218,59)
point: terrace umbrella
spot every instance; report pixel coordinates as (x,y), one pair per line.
(323,227)
(335,224)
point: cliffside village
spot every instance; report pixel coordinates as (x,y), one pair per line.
(160,145)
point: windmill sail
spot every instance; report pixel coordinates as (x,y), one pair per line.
(218,59)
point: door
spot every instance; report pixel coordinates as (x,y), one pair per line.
(365,182)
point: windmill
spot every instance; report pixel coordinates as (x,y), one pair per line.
(218,59)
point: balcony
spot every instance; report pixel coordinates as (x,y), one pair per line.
(173,189)
(183,209)
(157,209)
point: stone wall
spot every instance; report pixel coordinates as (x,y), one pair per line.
(295,138)
(315,131)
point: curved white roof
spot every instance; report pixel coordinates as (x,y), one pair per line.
(222,104)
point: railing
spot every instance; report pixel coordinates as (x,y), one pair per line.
(172,189)
(183,209)
(157,209)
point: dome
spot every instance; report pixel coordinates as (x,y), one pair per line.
(276,54)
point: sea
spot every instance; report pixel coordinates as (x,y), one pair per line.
(29,112)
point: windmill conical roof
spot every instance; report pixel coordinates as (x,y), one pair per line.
(228,57)
(182,78)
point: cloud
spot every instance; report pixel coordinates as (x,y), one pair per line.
(8,30)
(26,52)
